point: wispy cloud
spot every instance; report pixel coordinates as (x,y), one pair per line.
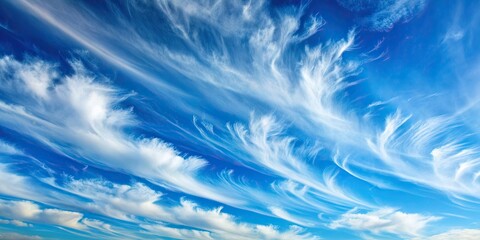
(385,220)
(127,201)
(7,148)
(383,15)
(17,236)
(467,234)
(15,222)
(31,212)
(177,233)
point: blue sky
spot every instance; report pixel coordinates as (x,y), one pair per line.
(335,119)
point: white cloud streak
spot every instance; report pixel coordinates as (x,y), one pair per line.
(268,146)
(31,212)
(15,222)
(384,221)
(17,236)
(9,149)
(385,13)
(18,185)
(130,202)
(464,234)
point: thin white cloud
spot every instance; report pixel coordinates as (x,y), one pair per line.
(453,35)
(15,222)
(386,13)
(385,220)
(177,233)
(456,29)
(287,216)
(464,234)
(7,148)
(129,202)
(23,213)
(18,185)
(31,212)
(432,152)
(18,236)
(264,146)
